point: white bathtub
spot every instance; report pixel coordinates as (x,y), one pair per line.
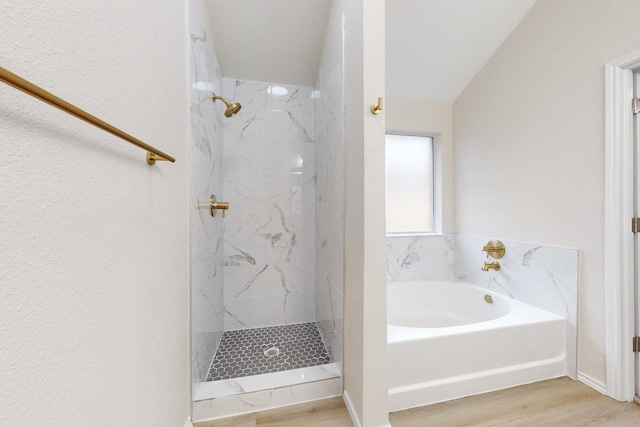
(446,341)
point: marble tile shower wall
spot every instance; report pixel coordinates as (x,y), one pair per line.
(540,275)
(269,261)
(205,165)
(329,163)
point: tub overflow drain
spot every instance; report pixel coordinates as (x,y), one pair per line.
(272,352)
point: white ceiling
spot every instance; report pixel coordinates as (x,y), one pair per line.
(276,41)
(433,47)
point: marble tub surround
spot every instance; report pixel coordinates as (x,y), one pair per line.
(205,172)
(269,263)
(540,275)
(420,257)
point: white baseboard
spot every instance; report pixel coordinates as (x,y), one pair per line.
(188,423)
(351,409)
(594,384)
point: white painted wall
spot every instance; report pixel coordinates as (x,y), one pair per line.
(414,116)
(94,305)
(365,342)
(529,143)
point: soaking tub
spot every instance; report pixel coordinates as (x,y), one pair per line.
(448,340)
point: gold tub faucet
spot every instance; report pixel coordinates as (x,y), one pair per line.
(495,265)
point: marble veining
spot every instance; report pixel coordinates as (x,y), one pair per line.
(419,257)
(269,233)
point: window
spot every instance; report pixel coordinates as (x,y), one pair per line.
(409,184)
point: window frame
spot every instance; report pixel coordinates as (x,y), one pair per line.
(435,183)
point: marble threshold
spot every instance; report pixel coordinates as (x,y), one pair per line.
(266,391)
(236,386)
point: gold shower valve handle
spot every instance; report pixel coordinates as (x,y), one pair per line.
(495,248)
(214,205)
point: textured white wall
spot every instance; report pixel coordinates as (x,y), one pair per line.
(529,143)
(365,333)
(94,306)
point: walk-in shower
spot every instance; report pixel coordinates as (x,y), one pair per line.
(266,280)
(269,237)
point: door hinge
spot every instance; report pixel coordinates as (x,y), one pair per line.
(636,344)
(635,105)
(635,225)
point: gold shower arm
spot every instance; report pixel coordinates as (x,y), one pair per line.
(29,88)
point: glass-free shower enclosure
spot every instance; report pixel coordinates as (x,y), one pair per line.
(267,278)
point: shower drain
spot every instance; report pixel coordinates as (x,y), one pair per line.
(272,352)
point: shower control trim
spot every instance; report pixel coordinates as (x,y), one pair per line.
(214,205)
(494,248)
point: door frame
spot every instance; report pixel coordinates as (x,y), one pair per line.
(619,241)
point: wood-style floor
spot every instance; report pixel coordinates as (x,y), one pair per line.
(560,402)
(328,412)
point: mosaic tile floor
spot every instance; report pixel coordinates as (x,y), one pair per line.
(247,352)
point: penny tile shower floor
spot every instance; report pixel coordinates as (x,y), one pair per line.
(247,352)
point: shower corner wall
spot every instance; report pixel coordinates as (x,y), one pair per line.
(330,189)
(205,179)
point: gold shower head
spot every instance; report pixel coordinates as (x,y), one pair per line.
(232,109)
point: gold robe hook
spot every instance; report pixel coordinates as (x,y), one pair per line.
(376,108)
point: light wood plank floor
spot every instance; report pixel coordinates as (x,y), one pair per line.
(328,412)
(560,402)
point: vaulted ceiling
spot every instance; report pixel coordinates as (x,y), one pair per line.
(433,47)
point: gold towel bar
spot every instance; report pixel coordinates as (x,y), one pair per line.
(37,92)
